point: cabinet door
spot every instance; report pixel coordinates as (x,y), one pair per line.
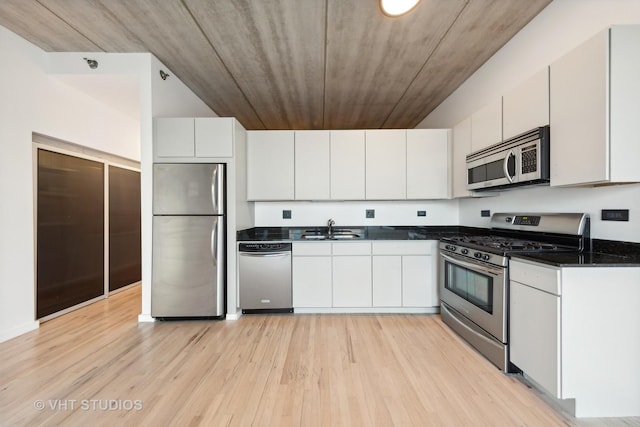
(486,125)
(461,147)
(312,282)
(174,137)
(428,163)
(386,164)
(526,106)
(270,165)
(387,281)
(312,165)
(352,281)
(419,284)
(347,164)
(214,136)
(579,90)
(534,335)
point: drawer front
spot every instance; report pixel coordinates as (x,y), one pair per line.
(541,277)
(351,248)
(311,248)
(403,247)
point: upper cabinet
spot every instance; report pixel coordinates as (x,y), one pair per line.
(527,106)
(595,105)
(386,164)
(461,147)
(347,165)
(188,138)
(270,165)
(486,125)
(428,163)
(312,165)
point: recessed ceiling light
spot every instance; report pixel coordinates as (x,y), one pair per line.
(397,7)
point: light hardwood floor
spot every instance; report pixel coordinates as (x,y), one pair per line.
(88,367)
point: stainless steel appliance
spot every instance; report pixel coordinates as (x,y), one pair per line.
(522,160)
(474,273)
(264,275)
(188,272)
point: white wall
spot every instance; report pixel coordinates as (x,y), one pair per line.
(33,101)
(440,212)
(560,27)
(57,95)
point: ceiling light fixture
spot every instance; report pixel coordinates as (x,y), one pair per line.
(93,64)
(395,8)
(163,75)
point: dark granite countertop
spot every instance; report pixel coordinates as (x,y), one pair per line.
(604,253)
(364,233)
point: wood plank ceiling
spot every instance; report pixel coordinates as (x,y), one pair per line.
(290,64)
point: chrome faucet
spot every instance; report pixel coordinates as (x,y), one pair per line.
(330,225)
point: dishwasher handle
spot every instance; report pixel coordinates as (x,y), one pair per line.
(265,254)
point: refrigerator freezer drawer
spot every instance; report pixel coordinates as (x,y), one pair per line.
(188,273)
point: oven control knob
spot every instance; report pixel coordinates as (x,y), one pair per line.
(451,247)
(477,255)
(486,257)
(464,251)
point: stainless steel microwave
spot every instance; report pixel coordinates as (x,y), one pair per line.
(522,160)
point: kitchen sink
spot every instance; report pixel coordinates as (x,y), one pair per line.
(336,235)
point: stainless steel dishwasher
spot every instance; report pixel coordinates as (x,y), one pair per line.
(264,271)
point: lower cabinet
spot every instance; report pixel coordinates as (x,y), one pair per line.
(365,275)
(352,281)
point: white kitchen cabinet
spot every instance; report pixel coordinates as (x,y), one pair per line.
(347,164)
(386,164)
(270,165)
(312,275)
(312,165)
(404,273)
(193,138)
(214,136)
(486,125)
(174,137)
(387,281)
(352,274)
(461,147)
(526,106)
(573,343)
(428,164)
(419,282)
(595,105)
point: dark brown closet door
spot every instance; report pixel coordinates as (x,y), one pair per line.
(70,227)
(125,258)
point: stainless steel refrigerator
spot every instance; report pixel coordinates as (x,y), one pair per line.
(188,273)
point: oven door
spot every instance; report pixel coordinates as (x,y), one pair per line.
(477,291)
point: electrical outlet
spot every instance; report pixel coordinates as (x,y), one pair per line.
(371,213)
(615,214)
(422,213)
(286,214)
(485,213)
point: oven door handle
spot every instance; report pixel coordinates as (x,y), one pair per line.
(472,266)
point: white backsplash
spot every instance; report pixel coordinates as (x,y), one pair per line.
(439,212)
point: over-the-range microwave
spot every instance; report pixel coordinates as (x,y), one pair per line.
(521,160)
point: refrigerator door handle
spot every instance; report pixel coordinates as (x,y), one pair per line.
(217,190)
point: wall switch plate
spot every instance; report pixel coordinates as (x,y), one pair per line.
(485,213)
(422,213)
(371,213)
(615,214)
(286,214)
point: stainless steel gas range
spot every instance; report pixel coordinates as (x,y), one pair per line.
(474,273)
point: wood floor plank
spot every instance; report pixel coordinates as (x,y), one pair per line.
(261,370)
